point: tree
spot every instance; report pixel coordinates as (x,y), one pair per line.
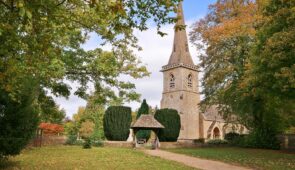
(116,123)
(44,40)
(49,111)
(94,111)
(18,120)
(226,34)
(270,73)
(242,64)
(170,119)
(144,109)
(86,129)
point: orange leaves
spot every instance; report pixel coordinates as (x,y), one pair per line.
(232,20)
(49,128)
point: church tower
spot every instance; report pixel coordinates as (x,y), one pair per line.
(180,88)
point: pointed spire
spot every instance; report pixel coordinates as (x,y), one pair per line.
(180,51)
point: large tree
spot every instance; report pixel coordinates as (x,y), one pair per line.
(226,35)
(43,41)
(248,65)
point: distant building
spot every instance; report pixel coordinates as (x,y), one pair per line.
(181,92)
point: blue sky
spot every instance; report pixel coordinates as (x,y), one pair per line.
(155,54)
(195,8)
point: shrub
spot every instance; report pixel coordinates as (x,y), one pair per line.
(87,143)
(116,123)
(97,143)
(18,122)
(262,138)
(79,142)
(217,142)
(170,119)
(71,140)
(201,140)
(144,109)
(235,139)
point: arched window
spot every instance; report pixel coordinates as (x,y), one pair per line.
(190,80)
(172,81)
(216,133)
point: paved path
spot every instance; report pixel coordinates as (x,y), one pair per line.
(194,162)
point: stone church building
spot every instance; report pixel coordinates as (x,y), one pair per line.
(181,92)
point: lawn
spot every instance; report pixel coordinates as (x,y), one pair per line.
(74,157)
(254,158)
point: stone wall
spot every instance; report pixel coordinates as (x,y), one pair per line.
(287,141)
(120,144)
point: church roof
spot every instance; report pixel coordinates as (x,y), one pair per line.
(211,114)
(180,52)
(147,122)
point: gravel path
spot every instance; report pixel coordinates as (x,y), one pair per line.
(194,162)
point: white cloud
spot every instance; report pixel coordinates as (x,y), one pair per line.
(155,54)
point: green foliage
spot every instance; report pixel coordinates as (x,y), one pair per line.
(18,120)
(170,119)
(264,138)
(94,111)
(87,143)
(49,111)
(97,143)
(71,139)
(116,123)
(235,139)
(217,142)
(249,65)
(144,109)
(44,39)
(231,136)
(86,129)
(201,140)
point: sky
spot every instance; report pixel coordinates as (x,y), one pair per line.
(155,54)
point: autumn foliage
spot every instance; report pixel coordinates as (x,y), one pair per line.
(50,128)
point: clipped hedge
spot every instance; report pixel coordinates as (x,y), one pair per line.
(170,119)
(116,123)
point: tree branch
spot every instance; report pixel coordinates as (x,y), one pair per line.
(61,3)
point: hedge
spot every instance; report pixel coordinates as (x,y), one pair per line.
(116,123)
(170,119)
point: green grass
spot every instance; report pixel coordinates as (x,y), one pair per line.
(74,157)
(254,158)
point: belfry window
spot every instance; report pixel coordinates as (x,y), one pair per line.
(189,80)
(172,81)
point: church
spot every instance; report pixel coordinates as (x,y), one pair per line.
(181,92)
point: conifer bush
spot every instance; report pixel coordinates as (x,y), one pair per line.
(18,122)
(144,109)
(170,119)
(116,123)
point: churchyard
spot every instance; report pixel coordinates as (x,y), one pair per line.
(70,78)
(74,157)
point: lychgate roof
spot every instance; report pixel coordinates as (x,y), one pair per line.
(147,121)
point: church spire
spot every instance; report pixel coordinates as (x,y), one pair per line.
(180,52)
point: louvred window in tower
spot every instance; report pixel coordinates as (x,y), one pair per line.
(172,81)
(189,80)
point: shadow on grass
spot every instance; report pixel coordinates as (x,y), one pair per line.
(8,164)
